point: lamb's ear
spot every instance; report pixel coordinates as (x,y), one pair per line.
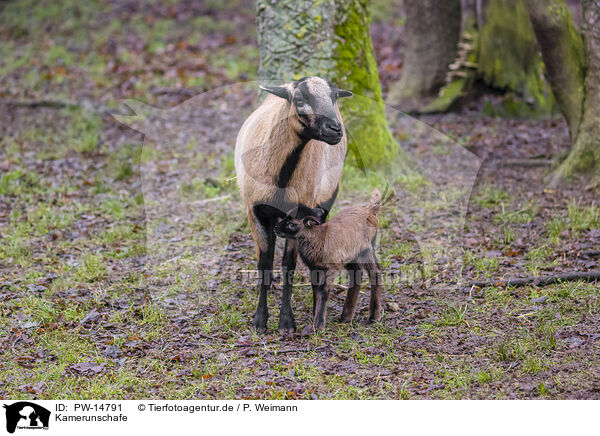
(279,91)
(341,93)
(310,221)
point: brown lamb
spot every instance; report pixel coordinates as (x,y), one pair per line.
(345,242)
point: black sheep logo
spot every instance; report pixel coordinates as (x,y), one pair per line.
(27,415)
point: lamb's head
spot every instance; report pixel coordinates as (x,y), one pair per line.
(313,108)
(297,219)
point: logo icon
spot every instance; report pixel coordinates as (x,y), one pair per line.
(26,415)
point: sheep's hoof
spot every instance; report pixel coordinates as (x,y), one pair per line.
(259,322)
(286,323)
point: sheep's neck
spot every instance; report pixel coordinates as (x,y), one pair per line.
(291,163)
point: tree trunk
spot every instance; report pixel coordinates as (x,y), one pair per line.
(432,32)
(585,155)
(562,50)
(329,38)
(508,56)
(497,45)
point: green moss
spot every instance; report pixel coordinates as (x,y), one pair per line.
(509,58)
(448,95)
(356,69)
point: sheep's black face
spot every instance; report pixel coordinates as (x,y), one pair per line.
(314,100)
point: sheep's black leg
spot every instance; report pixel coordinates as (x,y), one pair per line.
(288,267)
(320,292)
(376,279)
(265,277)
(355,274)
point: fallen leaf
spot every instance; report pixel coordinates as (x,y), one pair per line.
(87,368)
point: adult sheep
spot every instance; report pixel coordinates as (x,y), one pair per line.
(289,153)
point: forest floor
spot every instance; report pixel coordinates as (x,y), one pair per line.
(125,260)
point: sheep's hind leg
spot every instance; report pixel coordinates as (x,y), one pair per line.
(288,267)
(355,275)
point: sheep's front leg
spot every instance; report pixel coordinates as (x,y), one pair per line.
(261,220)
(265,277)
(288,267)
(320,294)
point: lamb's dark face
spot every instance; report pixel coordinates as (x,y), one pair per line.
(314,102)
(298,219)
(288,228)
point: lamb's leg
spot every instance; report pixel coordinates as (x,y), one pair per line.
(355,274)
(320,293)
(288,267)
(376,280)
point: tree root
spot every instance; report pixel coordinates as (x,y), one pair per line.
(589,276)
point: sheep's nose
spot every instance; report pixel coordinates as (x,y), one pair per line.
(333,126)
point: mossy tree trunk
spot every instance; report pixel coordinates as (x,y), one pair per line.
(508,56)
(497,45)
(330,39)
(585,154)
(432,32)
(562,50)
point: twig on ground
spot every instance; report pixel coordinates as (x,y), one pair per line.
(93,107)
(532,162)
(209,200)
(540,281)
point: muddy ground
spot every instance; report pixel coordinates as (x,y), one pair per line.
(126,262)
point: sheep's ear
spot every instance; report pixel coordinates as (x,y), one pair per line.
(319,212)
(343,93)
(310,221)
(279,91)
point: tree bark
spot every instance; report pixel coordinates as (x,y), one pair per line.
(573,68)
(432,32)
(585,155)
(562,50)
(498,46)
(508,55)
(330,39)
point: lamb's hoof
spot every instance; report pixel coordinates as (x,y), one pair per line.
(259,322)
(287,325)
(320,327)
